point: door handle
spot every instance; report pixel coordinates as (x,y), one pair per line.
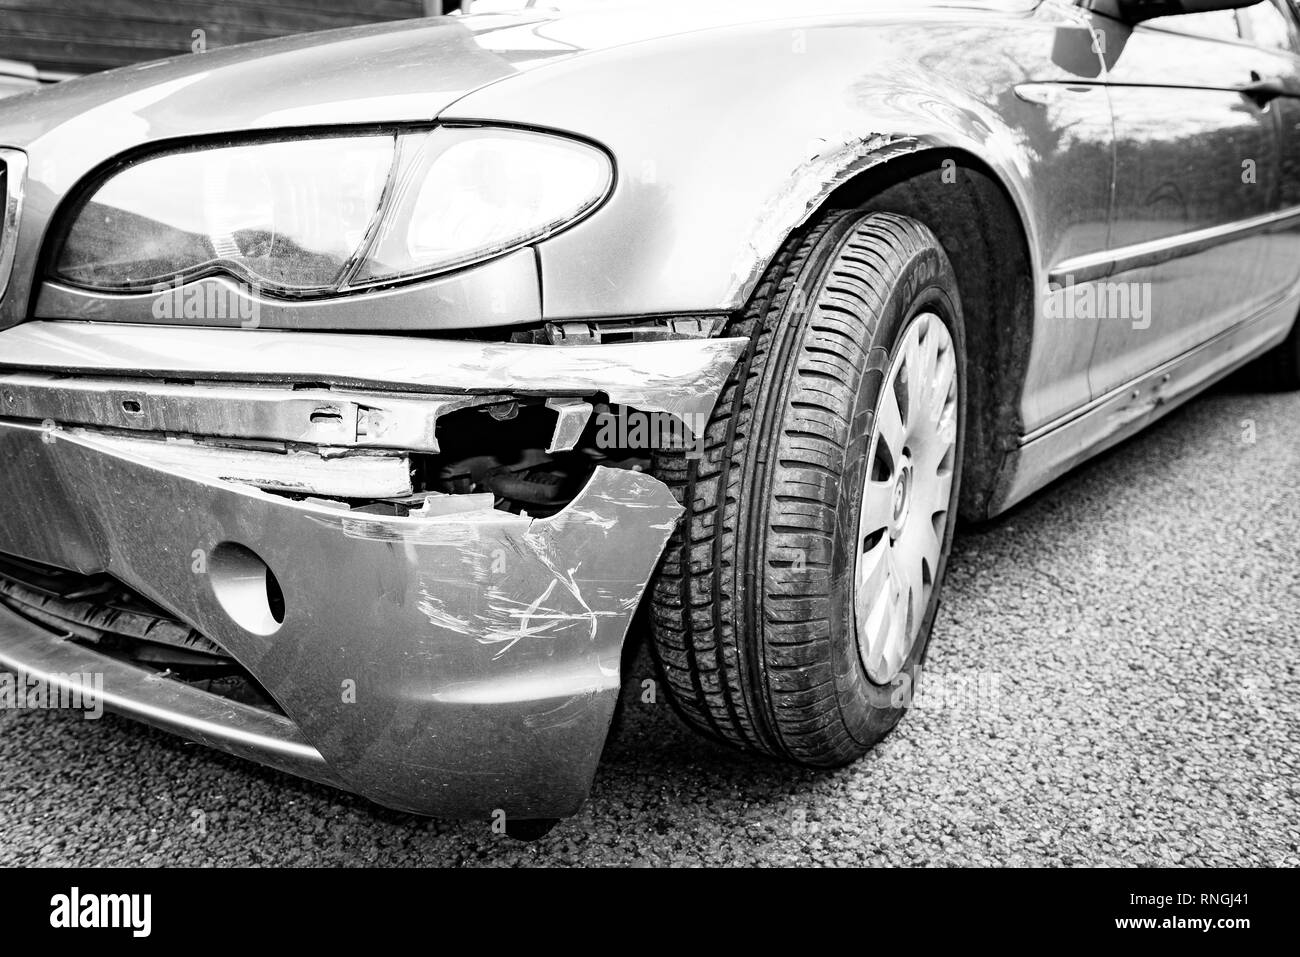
(1261,92)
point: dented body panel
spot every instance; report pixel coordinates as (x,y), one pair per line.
(449,665)
(275,474)
(450,661)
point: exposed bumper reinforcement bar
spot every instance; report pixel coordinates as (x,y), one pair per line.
(680,377)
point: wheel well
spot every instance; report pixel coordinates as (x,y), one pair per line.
(968,209)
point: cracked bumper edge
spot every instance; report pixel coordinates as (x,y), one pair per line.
(483,646)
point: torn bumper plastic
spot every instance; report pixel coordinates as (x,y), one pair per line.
(446,664)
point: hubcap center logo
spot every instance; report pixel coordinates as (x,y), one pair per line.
(902,496)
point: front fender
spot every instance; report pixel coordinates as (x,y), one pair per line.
(727,140)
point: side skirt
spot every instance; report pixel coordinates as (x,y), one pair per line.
(1049,452)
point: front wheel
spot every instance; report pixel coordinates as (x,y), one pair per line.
(803,582)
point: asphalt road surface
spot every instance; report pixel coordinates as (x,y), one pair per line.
(1114,679)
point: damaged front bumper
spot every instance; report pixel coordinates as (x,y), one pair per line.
(452,661)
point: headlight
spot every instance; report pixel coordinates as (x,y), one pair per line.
(307,217)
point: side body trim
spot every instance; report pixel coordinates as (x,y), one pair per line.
(1156,251)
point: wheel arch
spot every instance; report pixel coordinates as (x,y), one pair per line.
(987,236)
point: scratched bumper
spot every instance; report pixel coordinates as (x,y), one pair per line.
(483,648)
(447,663)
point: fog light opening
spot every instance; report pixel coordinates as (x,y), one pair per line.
(246,589)
(274,597)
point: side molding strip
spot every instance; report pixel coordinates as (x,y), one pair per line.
(1152,253)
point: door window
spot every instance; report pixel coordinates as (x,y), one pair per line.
(1269,25)
(1215,24)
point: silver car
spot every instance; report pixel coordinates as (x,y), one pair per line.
(356,389)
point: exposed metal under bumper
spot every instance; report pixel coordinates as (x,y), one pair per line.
(28,650)
(682,377)
(309,416)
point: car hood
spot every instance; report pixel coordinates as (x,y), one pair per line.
(405,71)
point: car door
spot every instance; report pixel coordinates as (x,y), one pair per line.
(1196,164)
(1273,28)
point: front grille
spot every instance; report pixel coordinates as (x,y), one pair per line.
(95,608)
(100,611)
(13,173)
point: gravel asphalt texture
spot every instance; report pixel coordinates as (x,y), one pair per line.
(1114,680)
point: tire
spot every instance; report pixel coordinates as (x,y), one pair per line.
(1278,370)
(752,610)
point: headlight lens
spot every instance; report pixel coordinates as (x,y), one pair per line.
(509,188)
(321,216)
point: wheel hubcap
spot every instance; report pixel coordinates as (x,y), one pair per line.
(911,454)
